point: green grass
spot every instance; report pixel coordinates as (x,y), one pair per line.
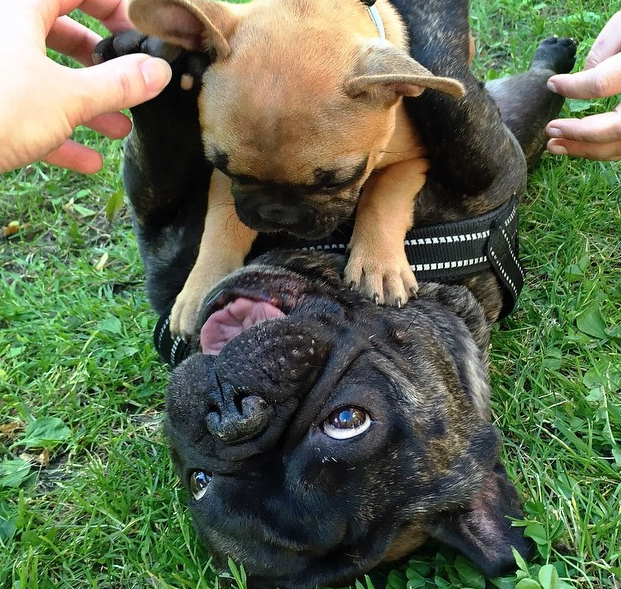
(81,389)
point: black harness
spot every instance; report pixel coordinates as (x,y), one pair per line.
(447,251)
(459,249)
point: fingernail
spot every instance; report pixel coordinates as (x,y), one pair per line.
(557,150)
(156,73)
(554,132)
(551,86)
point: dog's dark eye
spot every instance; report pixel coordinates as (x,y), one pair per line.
(199,481)
(346,422)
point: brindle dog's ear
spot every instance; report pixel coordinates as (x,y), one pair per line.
(196,25)
(482,530)
(464,304)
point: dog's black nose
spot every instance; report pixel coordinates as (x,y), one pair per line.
(237,419)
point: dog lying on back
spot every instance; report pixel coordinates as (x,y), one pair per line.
(301,114)
(316,433)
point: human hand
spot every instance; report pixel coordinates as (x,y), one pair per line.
(596,137)
(43,101)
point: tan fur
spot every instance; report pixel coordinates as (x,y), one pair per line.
(222,250)
(388,195)
(297,86)
(472,50)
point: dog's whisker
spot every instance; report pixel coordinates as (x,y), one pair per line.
(222,205)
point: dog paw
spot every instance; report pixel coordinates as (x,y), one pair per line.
(189,302)
(188,67)
(557,54)
(132,41)
(185,312)
(387,280)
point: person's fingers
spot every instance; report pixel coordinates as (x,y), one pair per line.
(600,81)
(75,156)
(111,13)
(73,39)
(600,128)
(114,125)
(592,151)
(607,44)
(117,84)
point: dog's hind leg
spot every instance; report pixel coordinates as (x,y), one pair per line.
(165,173)
(476,162)
(526,105)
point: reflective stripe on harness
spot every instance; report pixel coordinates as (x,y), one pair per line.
(459,249)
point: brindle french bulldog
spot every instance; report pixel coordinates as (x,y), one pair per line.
(318,434)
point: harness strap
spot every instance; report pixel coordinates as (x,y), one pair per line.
(460,248)
(171,350)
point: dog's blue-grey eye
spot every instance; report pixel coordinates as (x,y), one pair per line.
(346,422)
(199,481)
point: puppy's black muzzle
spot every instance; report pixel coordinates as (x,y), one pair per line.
(292,209)
(278,216)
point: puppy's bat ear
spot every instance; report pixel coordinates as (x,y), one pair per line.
(386,73)
(196,25)
(481,530)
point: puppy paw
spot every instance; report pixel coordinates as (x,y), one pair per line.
(184,315)
(387,280)
(188,304)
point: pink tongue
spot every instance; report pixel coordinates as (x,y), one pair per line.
(237,316)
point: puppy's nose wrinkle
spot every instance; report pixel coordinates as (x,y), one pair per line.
(238,420)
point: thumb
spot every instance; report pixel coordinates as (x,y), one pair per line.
(120,83)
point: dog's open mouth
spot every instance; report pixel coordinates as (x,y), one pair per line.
(258,294)
(235,317)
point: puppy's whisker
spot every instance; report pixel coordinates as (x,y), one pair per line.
(414,319)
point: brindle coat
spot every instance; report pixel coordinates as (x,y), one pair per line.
(295,506)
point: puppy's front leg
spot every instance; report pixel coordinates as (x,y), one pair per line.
(224,245)
(377,265)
